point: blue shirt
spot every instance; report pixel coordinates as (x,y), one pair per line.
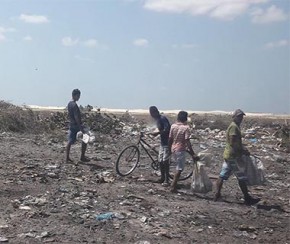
(73,112)
(163,126)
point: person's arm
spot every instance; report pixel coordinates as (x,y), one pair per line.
(170,140)
(77,118)
(162,128)
(189,146)
(237,147)
(234,142)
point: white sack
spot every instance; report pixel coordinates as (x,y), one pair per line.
(254,170)
(205,157)
(201,182)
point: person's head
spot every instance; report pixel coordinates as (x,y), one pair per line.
(154,112)
(182,116)
(76,93)
(238,116)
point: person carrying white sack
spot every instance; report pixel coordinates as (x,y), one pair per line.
(233,153)
(179,142)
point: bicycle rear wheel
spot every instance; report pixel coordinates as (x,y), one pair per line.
(127,160)
(188,166)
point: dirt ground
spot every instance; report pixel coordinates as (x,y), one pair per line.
(44,200)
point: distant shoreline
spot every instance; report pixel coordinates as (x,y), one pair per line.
(143,111)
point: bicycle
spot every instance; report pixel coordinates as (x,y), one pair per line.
(129,159)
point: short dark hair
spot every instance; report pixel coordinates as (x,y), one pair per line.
(182,116)
(153,109)
(76,92)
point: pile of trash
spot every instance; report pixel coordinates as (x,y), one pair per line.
(17,119)
(23,119)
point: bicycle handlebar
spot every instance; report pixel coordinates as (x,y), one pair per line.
(143,134)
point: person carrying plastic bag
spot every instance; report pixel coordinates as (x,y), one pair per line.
(233,153)
(179,142)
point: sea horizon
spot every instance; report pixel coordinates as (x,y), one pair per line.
(165,111)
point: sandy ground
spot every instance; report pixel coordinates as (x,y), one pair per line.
(44,200)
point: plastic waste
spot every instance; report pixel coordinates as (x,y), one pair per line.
(254,170)
(205,157)
(87,137)
(201,182)
(105,216)
(253,140)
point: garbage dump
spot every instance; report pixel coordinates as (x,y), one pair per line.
(45,200)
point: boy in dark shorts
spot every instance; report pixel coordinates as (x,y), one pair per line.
(75,125)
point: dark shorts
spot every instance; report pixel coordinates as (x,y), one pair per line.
(72,135)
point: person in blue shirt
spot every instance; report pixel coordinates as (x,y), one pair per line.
(163,126)
(75,125)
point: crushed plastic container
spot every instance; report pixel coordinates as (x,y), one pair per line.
(105,216)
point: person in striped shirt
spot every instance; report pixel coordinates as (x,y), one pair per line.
(179,143)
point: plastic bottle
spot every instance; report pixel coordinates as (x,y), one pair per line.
(105,216)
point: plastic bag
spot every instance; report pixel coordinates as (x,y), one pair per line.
(254,170)
(201,182)
(205,157)
(87,137)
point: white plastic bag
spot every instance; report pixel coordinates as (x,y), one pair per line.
(205,157)
(201,182)
(87,137)
(254,170)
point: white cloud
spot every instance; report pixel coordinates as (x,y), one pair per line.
(34,19)
(4,30)
(27,38)
(69,42)
(91,43)
(277,44)
(141,42)
(272,14)
(220,9)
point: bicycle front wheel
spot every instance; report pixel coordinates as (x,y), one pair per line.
(127,160)
(188,166)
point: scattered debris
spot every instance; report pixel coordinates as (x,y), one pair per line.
(46,200)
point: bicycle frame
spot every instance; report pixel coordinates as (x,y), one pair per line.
(143,144)
(130,158)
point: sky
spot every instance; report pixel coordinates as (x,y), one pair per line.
(199,55)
